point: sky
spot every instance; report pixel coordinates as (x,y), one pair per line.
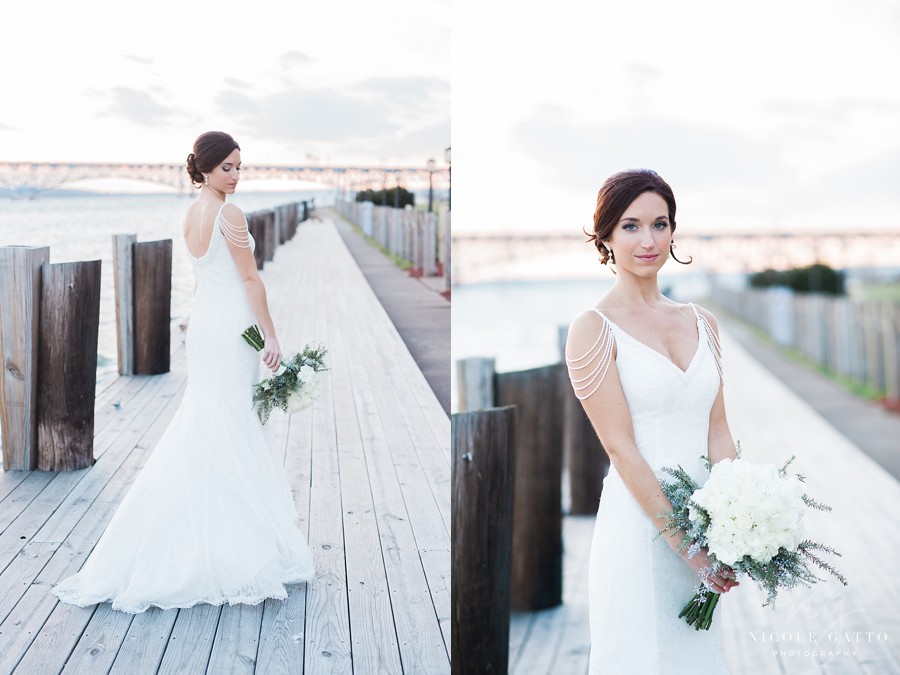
(351,82)
(774,116)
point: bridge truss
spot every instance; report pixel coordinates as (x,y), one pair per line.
(30,177)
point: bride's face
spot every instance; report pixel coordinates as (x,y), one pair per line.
(226,175)
(640,240)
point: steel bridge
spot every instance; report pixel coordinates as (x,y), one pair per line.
(482,256)
(27,178)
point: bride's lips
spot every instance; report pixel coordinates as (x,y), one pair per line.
(648,257)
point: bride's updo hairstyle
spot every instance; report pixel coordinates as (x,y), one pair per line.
(616,194)
(209,151)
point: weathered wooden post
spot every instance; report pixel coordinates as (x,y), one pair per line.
(585,457)
(152,306)
(483,479)
(271,240)
(20,298)
(537,528)
(475,383)
(874,345)
(447,252)
(123,262)
(258,232)
(890,331)
(429,268)
(67,376)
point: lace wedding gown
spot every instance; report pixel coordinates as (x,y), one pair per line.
(637,584)
(210,518)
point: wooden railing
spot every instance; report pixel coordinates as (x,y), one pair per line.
(421,238)
(856,339)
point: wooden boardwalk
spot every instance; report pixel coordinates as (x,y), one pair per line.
(828,629)
(370,473)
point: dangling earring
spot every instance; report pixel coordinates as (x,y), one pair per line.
(612,256)
(206,180)
(672,245)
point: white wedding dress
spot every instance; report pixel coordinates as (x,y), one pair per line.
(637,584)
(210,518)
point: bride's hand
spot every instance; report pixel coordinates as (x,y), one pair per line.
(271,355)
(719,582)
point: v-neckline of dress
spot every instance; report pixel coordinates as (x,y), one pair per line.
(658,353)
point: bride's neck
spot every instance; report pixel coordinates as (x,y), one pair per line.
(634,290)
(215,194)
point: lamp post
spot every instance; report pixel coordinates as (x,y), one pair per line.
(430,185)
(449,176)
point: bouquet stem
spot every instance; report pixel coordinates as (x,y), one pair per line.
(698,612)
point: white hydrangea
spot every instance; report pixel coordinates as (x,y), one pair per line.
(303,397)
(753,511)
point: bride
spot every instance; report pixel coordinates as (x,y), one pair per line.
(647,371)
(210,518)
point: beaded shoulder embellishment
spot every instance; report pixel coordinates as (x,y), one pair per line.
(588,370)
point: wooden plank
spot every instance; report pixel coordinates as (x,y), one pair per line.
(67,375)
(100,641)
(190,643)
(283,623)
(236,640)
(327,635)
(145,642)
(372,619)
(123,262)
(20,295)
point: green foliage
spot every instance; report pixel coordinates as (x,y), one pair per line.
(816,278)
(396,196)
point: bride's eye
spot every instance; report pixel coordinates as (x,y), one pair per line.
(631,227)
(660,224)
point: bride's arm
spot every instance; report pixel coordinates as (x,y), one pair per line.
(608,412)
(237,237)
(590,357)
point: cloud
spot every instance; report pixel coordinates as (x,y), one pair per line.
(143,60)
(409,112)
(583,155)
(6,127)
(236,83)
(293,58)
(138,107)
(836,110)
(414,94)
(418,144)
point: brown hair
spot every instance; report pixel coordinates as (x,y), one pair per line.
(616,194)
(209,149)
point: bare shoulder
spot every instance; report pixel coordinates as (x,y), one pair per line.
(233,214)
(709,316)
(583,332)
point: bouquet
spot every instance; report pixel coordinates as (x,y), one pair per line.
(750,518)
(293,386)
